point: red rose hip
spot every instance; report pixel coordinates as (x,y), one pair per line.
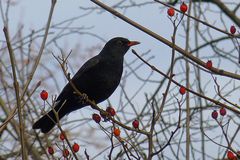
(44,95)
(214,114)
(223,111)
(96,118)
(65,153)
(209,64)
(50,150)
(233,29)
(230,155)
(111,111)
(75,147)
(182,90)
(116,132)
(171,12)
(62,136)
(135,123)
(183,7)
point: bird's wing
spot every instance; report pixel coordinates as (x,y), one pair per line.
(88,65)
(67,90)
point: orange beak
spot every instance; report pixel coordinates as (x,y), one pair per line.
(133,43)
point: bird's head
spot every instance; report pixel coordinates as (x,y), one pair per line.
(118,46)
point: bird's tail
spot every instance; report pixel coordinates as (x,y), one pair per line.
(46,123)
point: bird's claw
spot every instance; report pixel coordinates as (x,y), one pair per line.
(84,98)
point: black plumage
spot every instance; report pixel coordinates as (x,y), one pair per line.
(97,78)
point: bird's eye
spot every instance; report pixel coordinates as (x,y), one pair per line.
(119,43)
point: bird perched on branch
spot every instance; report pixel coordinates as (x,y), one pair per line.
(97,78)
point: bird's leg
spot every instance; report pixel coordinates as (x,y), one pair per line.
(84,97)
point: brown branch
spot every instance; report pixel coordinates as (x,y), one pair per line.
(16,87)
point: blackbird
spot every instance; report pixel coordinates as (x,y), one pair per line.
(97,78)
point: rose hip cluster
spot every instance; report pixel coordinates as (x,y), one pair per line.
(110,111)
(50,149)
(222,112)
(65,151)
(183,9)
